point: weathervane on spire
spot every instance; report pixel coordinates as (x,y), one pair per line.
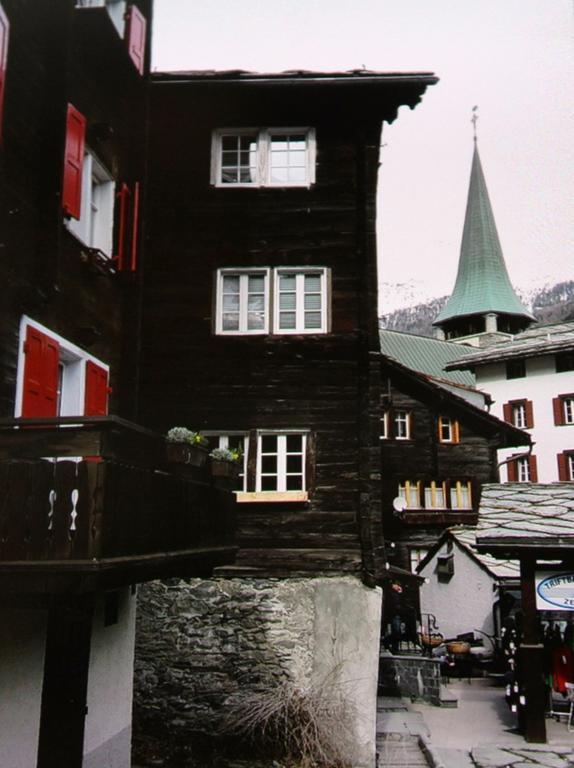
(474,121)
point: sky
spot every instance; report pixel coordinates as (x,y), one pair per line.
(514,59)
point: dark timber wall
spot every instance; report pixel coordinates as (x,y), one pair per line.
(326,383)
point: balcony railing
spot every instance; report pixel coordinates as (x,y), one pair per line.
(96,496)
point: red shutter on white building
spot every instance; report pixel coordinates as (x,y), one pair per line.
(558,408)
(96,393)
(533,467)
(4,33)
(507,413)
(529,410)
(562,467)
(40,387)
(512,471)
(73,162)
(135,37)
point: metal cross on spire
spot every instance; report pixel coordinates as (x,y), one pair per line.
(474,121)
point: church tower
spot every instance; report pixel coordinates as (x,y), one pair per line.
(483,307)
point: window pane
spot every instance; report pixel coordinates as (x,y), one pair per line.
(312,283)
(295,464)
(269,444)
(269,465)
(287,320)
(256,303)
(230,322)
(231,302)
(255,321)
(287,301)
(312,301)
(246,176)
(279,144)
(312,319)
(297,174)
(294,483)
(287,282)
(268,483)
(229,159)
(228,143)
(256,283)
(294,443)
(231,284)
(279,175)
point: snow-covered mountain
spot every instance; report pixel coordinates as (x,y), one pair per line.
(550,304)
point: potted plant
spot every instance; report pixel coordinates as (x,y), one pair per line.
(185,446)
(225,462)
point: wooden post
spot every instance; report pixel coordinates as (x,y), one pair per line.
(65,686)
(531,657)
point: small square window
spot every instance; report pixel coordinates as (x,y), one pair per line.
(523,470)
(263,157)
(564,362)
(448,430)
(281,462)
(515,369)
(300,301)
(242,302)
(460,495)
(519,415)
(237,441)
(402,425)
(411,493)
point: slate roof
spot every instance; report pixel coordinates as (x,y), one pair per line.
(465,536)
(426,355)
(482,283)
(539,340)
(527,511)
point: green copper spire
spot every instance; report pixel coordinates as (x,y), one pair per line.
(482,284)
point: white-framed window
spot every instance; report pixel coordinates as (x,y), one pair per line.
(523,470)
(238,441)
(402,425)
(281,462)
(416,556)
(300,301)
(435,497)
(263,157)
(570,465)
(95,225)
(410,491)
(448,431)
(243,301)
(519,414)
(568,409)
(460,495)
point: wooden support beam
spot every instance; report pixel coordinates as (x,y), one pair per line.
(531,652)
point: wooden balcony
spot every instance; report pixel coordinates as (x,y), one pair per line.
(90,503)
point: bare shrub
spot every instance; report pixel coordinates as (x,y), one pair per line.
(310,727)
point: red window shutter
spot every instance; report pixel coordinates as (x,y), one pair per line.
(135,37)
(529,413)
(558,409)
(127,221)
(512,473)
(507,413)
(4,33)
(41,368)
(562,467)
(533,466)
(96,396)
(73,162)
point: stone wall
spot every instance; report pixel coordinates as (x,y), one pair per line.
(416,677)
(201,643)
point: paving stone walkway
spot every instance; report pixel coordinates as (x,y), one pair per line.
(532,755)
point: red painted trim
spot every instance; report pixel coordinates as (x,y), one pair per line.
(122,197)
(562,467)
(73,162)
(135,223)
(40,386)
(96,393)
(135,36)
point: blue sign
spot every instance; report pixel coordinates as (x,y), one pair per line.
(555,591)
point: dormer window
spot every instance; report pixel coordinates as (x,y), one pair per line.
(263,157)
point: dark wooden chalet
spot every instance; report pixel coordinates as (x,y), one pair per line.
(259,321)
(89,503)
(437,449)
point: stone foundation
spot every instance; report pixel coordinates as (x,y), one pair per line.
(200,643)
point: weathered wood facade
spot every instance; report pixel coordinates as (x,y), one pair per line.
(324,385)
(414,520)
